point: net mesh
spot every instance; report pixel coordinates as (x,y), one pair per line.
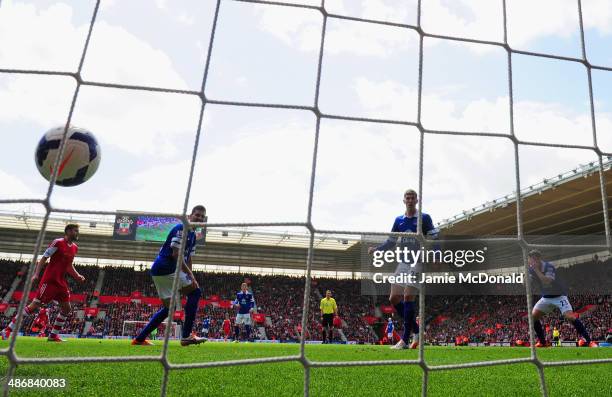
(540,365)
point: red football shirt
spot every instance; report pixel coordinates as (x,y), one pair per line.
(62,254)
(42,319)
(226,325)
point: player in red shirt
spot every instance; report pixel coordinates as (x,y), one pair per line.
(227,327)
(53,285)
(41,322)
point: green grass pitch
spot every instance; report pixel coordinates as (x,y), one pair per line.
(287,379)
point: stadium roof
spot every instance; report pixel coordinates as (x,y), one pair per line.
(224,246)
(568,204)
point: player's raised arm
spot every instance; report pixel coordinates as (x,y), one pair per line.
(534,269)
(175,243)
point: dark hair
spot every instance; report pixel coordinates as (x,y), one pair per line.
(198,207)
(535,253)
(70,226)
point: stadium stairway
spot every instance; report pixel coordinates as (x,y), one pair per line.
(94,300)
(9,294)
(261,333)
(98,288)
(342,336)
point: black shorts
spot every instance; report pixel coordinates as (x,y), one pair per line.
(555,339)
(328,320)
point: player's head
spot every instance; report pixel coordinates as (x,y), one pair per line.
(389,319)
(243,287)
(534,256)
(411,199)
(227,316)
(72,231)
(198,213)
(328,294)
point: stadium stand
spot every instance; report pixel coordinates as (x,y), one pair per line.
(482,319)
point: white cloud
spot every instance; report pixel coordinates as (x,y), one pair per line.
(14,187)
(528,21)
(259,173)
(143,193)
(399,11)
(480,19)
(295,27)
(138,122)
(42,100)
(390,99)
(386,99)
(39,38)
(141,123)
(597,14)
(117,56)
(366,39)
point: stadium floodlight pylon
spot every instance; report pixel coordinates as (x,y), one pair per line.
(14,359)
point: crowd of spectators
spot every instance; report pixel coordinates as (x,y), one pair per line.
(500,318)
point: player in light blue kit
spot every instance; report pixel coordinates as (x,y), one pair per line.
(403,295)
(163,270)
(245,304)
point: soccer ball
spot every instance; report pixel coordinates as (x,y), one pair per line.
(81,155)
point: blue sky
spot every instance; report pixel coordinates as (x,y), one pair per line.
(254,164)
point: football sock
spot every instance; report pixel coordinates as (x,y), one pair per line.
(409,320)
(154,322)
(237,332)
(247,329)
(399,308)
(58,324)
(537,326)
(26,313)
(191,308)
(582,330)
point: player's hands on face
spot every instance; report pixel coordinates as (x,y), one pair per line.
(531,262)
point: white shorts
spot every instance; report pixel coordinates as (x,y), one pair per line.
(243,319)
(546,305)
(406,269)
(390,335)
(163,284)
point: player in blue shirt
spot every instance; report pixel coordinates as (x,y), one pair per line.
(205,326)
(163,270)
(554,295)
(245,304)
(403,295)
(390,328)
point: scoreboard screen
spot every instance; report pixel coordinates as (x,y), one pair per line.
(137,227)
